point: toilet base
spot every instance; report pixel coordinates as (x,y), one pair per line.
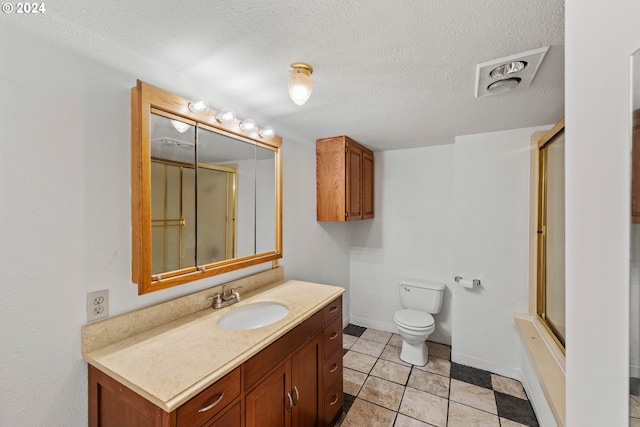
(416,354)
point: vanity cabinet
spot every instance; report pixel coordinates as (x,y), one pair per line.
(332,363)
(344,180)
(112,404)
(294,382)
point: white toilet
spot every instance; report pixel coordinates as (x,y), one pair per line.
(419,299)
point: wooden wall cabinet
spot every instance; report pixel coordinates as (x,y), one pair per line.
(635,169)
(294,382)
(344,180)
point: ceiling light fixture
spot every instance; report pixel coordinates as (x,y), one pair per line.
(508,68)
(198,105)
(226,115)
(300,82)
(181,127)
(267,132)
(512,72)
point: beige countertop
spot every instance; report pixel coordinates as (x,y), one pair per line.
(171,363)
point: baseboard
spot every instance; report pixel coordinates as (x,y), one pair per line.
(381,326)
(391,327)
(486,365)
(442,339)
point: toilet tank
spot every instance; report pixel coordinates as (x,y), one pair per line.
(422,295)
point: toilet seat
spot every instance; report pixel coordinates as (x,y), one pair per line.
(413,319)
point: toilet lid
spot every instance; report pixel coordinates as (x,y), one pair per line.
(414,319)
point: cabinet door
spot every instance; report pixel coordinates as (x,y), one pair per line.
(306,371)
(268,404)
(367,185)
(354,181)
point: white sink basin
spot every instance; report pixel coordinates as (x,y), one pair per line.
(253,316)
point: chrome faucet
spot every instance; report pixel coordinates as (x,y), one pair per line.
(224,299)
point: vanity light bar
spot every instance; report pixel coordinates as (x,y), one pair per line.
(227,116)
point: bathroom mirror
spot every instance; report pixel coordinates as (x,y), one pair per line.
(206,197)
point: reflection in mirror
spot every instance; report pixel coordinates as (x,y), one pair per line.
(236,192)
(634,273)
(172,196)
(206,197)
(265,202)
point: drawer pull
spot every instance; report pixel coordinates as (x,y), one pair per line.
(333,367)
(206,408)
(295,401)
(334,400)
(333,336)
(290,402)
(333,309)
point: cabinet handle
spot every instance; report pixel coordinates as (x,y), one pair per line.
(206,408)
(334,400)
(333,336)
(295,401)
(333,367)
(290,402)
(333,309)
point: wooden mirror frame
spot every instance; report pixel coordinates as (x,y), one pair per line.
(146,98)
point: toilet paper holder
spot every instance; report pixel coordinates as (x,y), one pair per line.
(476,282)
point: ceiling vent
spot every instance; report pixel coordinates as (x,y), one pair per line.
(505,74)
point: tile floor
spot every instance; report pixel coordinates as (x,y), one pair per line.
(634,402)
(382,390)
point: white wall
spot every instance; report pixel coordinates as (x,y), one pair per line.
(65,216)
(410,235)
(313,251)
(491,243)
(600,37)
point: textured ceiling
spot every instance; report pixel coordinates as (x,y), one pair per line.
(393,74)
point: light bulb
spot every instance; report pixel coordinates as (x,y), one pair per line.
(300,82)
(226,115)
(181,127)
(267,132)
(248,125)
(508,68)
(198,105)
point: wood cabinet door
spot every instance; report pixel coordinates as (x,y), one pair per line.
(268,404)
(354,182)
(306,371)
(367,185)
(330,179)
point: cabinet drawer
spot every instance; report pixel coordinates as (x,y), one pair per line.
(332,337)
(333,402)
(332,310)
(209,402)
(332,369)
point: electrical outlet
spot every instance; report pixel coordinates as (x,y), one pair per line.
(97,305)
